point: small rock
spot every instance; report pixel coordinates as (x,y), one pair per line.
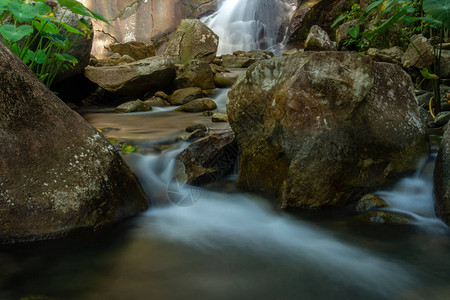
(216,69)
(207,113)
(412,59)
(290,52)
(135,49)
(233,61)
(343,33)
(157,102)
(126,59)
(161,94)
(133,106)
(218,117)
(195,127)
(370,202)
(195,73)
(93,61)
(198,105)
(318,40)
(385,217)
(223,80)
(392,55)
(183,96)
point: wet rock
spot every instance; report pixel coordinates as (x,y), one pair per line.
(192,40)
(137,78)
(135,49)
(126,59)
(194,135)
(198,105)
(370,202)
(318,40)
(322,129)
(195,74)
(157,102)
(386,217)
(218,117)
(77,180)
(195,127)
(291,52)
(133,106)
(424,98)
(223,80)
(442,118)
(412,59)
(207,159)
(442,179)
(183,96)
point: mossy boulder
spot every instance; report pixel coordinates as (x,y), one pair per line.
(198,105)
(322,129)
(57,173)
(192,40)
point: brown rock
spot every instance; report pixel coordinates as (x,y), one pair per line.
(57,173)
(135,49)
(183,96)
(321,129)
(195,74)
(198,105)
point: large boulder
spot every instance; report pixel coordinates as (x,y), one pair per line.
(149,21)
(442,179)
(137,78)
(320,129)
(192,40)
(57,173)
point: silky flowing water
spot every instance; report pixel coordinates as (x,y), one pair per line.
(218,242)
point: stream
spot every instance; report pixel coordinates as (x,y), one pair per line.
(218,242)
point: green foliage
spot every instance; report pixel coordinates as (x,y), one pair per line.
(128,148)
(439,10)
(33,33)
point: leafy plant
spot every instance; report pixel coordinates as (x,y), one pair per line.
(33,33)
(128,148)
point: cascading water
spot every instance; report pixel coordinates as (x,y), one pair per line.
(249,24)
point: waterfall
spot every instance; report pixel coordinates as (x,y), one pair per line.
(249,24)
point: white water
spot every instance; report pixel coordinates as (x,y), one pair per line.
(249,24)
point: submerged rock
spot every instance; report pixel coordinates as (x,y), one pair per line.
(137,78)
(385,217)
(57,173)
(321,129)
(370,202)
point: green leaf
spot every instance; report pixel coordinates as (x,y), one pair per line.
(75,7)
(439,10)
(4,5)
(373,5)
(98,16)
(431,21)
(13,34)
(44,26)
(39,57)
(22,11)
(427,74)
(28,56)
(42,8)
(70,28)
(66,58)
(59,40)
(338,20)
(354,31)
